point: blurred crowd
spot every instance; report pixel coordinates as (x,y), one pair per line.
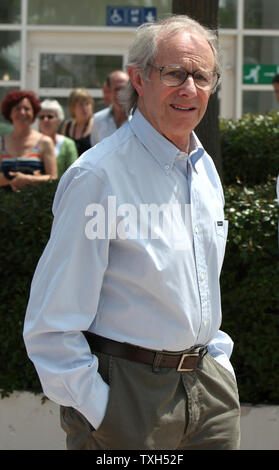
(30,156)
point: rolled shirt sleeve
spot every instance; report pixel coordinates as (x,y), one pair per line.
(63,301)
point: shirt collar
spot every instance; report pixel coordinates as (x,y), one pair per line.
(162,149)
(196,150)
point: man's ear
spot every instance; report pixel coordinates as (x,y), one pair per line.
(136,79)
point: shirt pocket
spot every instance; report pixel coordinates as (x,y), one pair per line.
(221,227)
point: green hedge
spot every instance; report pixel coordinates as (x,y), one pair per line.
(249,285)
(250,148)
(250,288)
(25,219)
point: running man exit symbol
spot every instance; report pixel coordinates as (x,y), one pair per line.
(259,74)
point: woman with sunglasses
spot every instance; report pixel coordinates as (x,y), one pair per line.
(50,118)
(27,156)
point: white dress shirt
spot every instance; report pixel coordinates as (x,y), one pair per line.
(103,125)
(146,280)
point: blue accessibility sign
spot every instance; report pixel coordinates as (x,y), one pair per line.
(130,16)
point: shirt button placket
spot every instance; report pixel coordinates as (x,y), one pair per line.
(167,168)
(201,275)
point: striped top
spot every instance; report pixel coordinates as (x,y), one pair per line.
(27,164)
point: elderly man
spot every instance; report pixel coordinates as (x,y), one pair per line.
(124,314)
(108,120)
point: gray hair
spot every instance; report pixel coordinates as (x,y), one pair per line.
(54,106)
(143,49)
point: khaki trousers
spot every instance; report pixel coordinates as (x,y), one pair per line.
(160,410)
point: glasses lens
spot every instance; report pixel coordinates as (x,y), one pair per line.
(204,80)
(173,76)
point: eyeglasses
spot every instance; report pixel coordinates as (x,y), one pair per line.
(46,116)
(174,75)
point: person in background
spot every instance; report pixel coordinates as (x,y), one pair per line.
(108,120)
(106,93)
(81,109)
(275,83)
(124,313)
(27,156)
(50,118)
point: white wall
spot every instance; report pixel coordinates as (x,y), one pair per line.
(27,424)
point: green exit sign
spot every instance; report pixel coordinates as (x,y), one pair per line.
(259,74)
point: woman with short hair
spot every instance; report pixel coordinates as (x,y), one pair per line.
(27,156)
(50,118)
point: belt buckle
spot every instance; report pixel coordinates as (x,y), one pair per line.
(180,368)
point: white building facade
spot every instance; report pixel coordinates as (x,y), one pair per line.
(53,47)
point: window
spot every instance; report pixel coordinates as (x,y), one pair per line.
(261,50)
(76,70)
(227,13)
(10,11)
(261,14)
(259,102)
(9,55)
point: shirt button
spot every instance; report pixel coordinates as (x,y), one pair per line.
(196,229)
(167,167)
(202,276)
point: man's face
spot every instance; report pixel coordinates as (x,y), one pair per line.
(117,82)
(176,111)
(276,90)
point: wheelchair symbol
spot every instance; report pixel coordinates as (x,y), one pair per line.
(116,18)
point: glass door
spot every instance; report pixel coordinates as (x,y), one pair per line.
(60,73)
(57,68)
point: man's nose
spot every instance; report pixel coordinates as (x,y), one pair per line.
(188,87)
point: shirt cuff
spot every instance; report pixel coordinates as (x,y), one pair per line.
(220,348)
(96,414)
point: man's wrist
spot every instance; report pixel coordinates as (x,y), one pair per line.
(96,415)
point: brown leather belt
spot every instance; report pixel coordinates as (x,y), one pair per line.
(182,361)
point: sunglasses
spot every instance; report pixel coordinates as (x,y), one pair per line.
(46,116)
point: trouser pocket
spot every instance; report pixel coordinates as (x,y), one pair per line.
(146,409)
